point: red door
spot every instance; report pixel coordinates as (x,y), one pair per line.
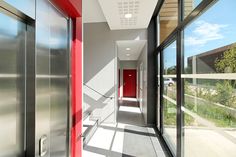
(129,83)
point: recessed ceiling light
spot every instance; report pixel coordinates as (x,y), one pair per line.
(128,49)
(127,54)
(128,16)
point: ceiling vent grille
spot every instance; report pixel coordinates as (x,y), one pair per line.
(128,7)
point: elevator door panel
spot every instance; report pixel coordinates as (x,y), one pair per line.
(52,81)
(12,86)
(58,84)
(42,70)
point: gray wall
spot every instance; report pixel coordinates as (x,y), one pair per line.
(142,88)
(128,64)
(100,68)
(125,65)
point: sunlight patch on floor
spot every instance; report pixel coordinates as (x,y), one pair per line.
(129,109)
(91,154)
(127,137)
(128,99)
(102,138)
(118,142)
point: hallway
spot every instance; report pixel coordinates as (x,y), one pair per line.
(128,138)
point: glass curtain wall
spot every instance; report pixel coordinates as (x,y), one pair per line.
(168,19)
(205,125)
(169,95)
(209,81)
(158,92)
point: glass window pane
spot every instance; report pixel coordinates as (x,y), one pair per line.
(25,6)
(168,19)
(190,5)
(210,83)
(158,91)
(169,95)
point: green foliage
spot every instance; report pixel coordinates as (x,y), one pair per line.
(224,93)
(228,62)
(186,88)
(169,118)
(171,70)
(213,113)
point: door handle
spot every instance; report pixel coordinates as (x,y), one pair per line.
(43,145)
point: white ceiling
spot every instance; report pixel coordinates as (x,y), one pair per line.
(114,12)
(136,47)
(92,12)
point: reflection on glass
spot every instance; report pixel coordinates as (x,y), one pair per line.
(169,95)
(190,5)
(158,91)
(209,83)
(168,19)
(25,6)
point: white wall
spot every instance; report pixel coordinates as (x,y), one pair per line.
(100,69)
(125,65)
(143,60)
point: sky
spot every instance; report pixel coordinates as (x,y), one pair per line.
(213,29)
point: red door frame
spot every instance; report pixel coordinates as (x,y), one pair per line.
(129,86)
(73,8)
(119,83)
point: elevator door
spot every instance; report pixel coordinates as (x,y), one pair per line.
(12,86)
(59,84)
(52,81)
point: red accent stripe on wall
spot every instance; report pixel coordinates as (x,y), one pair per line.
(76,141)
(73,8)
(78,5)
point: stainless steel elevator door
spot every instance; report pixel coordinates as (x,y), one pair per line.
(12,86)
(58,84)
(51,80)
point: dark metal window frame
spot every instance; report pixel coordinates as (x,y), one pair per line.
(177,34)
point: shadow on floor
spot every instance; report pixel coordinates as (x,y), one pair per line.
(128,138)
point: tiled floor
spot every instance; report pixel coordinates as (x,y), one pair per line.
(128,138)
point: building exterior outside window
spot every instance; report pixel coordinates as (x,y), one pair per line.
(203,100)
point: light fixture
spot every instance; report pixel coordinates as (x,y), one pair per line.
(127,54)
(127,49)
(128,15)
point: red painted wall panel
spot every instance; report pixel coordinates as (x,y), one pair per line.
(78,5)
(73,8)
(76,143)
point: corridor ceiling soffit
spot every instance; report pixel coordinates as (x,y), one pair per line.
(92,12)
(128,14)
(130,49)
